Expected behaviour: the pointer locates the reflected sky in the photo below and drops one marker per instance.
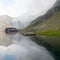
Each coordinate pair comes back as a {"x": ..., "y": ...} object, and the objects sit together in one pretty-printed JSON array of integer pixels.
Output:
[
  {"x": 24, "y": 49},
  {"x": 9, "y": 57}
]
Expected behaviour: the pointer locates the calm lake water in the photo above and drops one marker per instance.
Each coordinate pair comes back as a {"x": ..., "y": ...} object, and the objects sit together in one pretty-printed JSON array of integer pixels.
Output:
[
  {"x": 26, "y": 48},
  {"x": 51, "y": 43}
]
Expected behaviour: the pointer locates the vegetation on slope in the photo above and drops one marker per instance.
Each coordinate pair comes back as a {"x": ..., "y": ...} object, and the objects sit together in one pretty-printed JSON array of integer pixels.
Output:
[
  {"x": 49, "y": 24},
  {"x": 50, "y": 27}
]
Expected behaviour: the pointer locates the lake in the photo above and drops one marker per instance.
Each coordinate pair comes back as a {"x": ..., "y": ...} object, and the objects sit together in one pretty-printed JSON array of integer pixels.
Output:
[{"x": 27, "y": 48}]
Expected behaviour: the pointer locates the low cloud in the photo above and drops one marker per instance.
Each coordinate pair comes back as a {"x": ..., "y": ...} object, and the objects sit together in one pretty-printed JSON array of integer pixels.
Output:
[{"x": 19, "y": 7}]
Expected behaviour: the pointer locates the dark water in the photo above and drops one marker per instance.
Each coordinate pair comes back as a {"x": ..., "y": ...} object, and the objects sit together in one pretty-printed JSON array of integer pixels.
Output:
[{"x": 45, "y": 42}]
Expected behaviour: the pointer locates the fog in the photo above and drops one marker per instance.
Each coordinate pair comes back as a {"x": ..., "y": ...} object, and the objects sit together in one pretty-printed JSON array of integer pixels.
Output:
[
  {"x": 15, "y": 8},
  {"x": 25, "y": 10},
  {"x": 33, "y": 9}
]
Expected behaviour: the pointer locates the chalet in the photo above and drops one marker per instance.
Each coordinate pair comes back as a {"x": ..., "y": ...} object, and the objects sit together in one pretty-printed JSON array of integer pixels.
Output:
[{"x": 11, "y": 30}]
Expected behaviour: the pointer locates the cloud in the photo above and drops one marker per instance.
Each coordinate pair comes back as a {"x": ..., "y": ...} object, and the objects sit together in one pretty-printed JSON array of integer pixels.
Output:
[
  {"x": 40, "y": 7},
  {"x": 19, "y": 7},
  {"x": 25, "y": 11},
  {"x": 12, "y": 10}
]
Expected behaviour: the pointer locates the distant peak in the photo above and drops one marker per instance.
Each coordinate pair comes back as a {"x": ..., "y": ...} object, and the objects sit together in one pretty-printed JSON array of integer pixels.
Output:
[{"x": 5, "y": 16}]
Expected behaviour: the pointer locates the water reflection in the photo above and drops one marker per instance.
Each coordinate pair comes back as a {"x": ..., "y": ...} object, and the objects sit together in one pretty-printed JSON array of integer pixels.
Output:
[
  {"x": 23, "y": 48},
  {"x": 28, "y": 50}
]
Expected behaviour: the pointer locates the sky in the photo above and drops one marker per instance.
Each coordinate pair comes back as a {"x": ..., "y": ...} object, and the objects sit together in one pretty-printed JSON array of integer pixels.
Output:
[
  {"x": 25, "y": 11},
  {"x": 15, "y": 8}
]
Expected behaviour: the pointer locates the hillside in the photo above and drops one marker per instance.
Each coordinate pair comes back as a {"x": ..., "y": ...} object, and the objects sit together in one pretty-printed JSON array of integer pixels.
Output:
[
  {"x": 50, "y": 27},
  {"x": 49, "y": 24},
  {"x": 49, "y": 13}
]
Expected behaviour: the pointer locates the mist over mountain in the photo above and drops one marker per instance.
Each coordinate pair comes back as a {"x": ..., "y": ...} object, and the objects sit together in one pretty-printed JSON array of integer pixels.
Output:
[
  {"x": 49, "y": 13},
  {"x": 57, "y": 3}
]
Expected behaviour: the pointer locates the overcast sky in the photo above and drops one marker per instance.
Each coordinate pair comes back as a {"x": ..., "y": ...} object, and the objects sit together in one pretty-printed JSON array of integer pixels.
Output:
[
  {"x": 25, "y": 10},
  {"x": 17, "y": 8}
]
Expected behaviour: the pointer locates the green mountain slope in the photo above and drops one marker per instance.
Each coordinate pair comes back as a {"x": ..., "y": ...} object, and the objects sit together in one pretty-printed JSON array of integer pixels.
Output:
[
  {"x": 50, "y": 27},
  {"x": 49, "y": 24}
]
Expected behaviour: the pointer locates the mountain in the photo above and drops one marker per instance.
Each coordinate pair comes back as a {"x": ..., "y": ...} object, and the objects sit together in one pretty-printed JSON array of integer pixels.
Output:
[
  {"x": 51, "y": 15},
  {"x": 50, "y": 27}
]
